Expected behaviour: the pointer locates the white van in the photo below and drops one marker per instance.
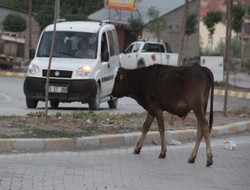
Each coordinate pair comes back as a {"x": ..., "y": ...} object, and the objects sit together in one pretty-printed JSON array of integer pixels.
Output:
[{"x": 86, "y": 77}]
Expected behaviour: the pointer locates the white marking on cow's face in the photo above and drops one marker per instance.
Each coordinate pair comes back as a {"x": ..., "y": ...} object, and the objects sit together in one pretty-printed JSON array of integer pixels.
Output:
[{"x": 121, "y": 77}]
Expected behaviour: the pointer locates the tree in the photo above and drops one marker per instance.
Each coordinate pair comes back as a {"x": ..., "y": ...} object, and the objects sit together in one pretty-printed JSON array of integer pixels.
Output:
[
  {"x": 238, "y": 13},
  {"x": 156, "y": 24},
  {"x": 14, "y": 23},
  {"x": 191, "y": 23},
  {"x": 210, "y": 20},
  {"x": 135, "y": 26},
  {"x": 70, "y": 10},
  {"x": 45, "y": 16},
  {"x": 192, "y": 20}
]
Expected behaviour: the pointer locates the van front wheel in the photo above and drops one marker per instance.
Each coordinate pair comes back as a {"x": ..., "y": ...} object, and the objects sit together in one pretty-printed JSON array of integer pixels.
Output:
[
  {"x": 113, "y": 103},
  {"x": 31, "y": 103},
  {"x": 95, "y": 103}
]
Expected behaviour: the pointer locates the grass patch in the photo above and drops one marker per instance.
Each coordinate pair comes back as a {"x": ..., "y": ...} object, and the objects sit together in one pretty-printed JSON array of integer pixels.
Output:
[{"x": 94, "y": 116}]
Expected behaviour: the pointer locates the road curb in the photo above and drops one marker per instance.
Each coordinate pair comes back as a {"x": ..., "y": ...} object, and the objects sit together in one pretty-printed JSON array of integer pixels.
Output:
[
  {"x": 12, "y": 74},
  {"x": 232, "y": 93},
  {"x": 116, "y": 140}
]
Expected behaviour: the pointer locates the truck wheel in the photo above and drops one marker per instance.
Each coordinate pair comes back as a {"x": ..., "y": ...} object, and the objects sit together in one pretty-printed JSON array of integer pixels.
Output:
[
  {"x": 140, "y": 64},
  {"x": 31, "y": 103},
  {"x": 54, "y": 104},
  {"x": 113, "y": 103},
  {"x": 95, "y": 103}
]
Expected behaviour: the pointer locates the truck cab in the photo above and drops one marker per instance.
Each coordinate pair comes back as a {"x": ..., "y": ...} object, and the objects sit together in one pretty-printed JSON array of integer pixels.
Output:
[{"x": 86, "y": 77}]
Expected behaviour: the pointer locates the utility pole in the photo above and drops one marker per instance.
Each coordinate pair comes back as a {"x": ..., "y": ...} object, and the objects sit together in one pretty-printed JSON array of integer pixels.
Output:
[
  {"x": 57, "y": 9},
  {"x": 242, "y": 38},
  {"x": 228, "y": 45},
  {"x": 184, "y": 18},
  {"x": 49, "y": 64},
  {"x": 30, "y": 31}
]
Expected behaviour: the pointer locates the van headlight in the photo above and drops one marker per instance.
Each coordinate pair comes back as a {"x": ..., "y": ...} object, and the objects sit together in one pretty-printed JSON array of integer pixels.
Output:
[
  {"x": 84, "y": 71},
  {"x": 33, "y": 69}
]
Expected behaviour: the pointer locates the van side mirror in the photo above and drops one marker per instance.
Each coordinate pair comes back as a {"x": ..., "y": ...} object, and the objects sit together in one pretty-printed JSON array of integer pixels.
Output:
[
  {"x": 32, "y": 53},
  {"x": 105, "y": 56}
]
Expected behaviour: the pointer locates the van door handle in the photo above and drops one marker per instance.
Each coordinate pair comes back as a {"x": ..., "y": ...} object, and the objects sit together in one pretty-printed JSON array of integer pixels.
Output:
[{"x": 108, "y": 65}]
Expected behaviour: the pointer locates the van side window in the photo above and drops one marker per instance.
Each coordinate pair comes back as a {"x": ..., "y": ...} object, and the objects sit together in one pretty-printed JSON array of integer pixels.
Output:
[
  {"x": 117, "y": 50},
  {"x": 111, "y": 44},
  {"x": 45, "y": 45},
  {"x": 104, "y": 44}
]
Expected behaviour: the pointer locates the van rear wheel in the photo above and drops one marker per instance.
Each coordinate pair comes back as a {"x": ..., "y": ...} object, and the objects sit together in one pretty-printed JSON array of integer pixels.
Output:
[
  {"x": 31, "y": 103},
  {"x": 95, "y": 103},
  {"x": 54, "y": 104}
]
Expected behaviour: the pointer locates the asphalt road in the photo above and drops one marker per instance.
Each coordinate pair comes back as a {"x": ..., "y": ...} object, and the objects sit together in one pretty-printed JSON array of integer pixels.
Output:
[
  {"x": 12, "y": 101},
  {"x": 118, "y": 168}
]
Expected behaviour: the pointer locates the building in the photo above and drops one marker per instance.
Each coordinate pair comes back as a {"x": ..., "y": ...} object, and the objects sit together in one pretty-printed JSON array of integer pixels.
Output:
[{"x": 23, "y": 37}]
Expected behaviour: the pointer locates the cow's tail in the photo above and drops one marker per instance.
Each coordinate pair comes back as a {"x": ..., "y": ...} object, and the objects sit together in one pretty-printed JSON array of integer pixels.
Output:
[{"x": 211, "y": 77}]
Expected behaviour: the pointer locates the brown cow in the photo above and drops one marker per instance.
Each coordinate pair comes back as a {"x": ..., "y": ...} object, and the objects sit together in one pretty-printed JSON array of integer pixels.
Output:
[{"x": 177, "y": 90}]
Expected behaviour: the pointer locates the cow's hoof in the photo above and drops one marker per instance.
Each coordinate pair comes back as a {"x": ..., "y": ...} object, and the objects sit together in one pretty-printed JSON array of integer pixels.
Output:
[
  {"x": 210, "y": 160},
  {"x": 209, "y": 163},
  {"x": 191, "y": 160},
  {"x": 162, "y": 156},
  {"x": 137, "y": 151}
]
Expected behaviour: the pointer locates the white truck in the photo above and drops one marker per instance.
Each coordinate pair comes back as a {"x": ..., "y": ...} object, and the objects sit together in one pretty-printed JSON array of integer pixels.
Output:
[{"x": 144, "y": 53}]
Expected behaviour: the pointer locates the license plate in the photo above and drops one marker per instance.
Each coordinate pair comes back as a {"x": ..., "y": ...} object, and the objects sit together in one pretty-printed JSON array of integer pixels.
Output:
[{"x": 58, "y": 89}]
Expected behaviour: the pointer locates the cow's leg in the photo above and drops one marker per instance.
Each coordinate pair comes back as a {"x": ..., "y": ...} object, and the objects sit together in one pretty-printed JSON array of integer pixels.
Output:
[
  {"x": 160, "y": 121},
  {"x": 145, "y": 129},
  {"x": 199, "y": 136},
  {"x": 202, "y": 130},
  {"x": 205, "y": 129}
]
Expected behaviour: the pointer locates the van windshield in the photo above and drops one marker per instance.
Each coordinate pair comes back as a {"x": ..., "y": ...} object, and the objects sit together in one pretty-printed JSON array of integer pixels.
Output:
[{"x": 69, "y": 45}]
